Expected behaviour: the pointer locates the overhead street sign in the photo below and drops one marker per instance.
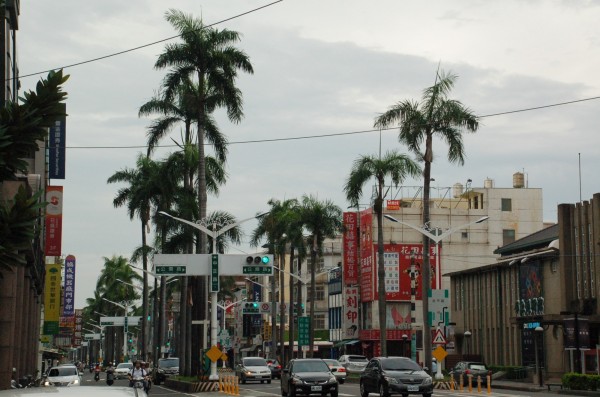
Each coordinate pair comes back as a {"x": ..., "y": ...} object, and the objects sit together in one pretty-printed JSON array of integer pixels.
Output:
[
  {"x": 201, "y": 264},
  {"x": 120, "y": 321},
  {"x": 214, "y": 275},
  {"x": 257, "y": 269}
]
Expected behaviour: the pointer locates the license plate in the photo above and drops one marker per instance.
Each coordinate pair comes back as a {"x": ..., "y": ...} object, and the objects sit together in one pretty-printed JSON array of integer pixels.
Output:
[
  {"x": 316, "y": 388},
  {"x": 413, "y": 388}
]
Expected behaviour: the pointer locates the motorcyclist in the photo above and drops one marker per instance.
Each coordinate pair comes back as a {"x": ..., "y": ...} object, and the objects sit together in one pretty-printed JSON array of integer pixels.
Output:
[
  {"x": 110, "y": 370},
  {"x": 97, "y": 372},
  {"x": 137, "y": 373},
  {"x": 148, "y": 375}
]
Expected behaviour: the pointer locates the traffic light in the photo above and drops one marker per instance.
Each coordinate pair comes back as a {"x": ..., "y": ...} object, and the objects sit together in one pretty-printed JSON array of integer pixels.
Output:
[
  {"x": 250, "y": 308},
  {"x": 258, "y": 260},
  {"x": 149, "y": 317}
]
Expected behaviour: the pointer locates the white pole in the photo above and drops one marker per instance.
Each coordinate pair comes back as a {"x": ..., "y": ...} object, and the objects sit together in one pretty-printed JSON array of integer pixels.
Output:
[
  {"x": 213, "y": 313},
  {"x": 125, "y": 336}
]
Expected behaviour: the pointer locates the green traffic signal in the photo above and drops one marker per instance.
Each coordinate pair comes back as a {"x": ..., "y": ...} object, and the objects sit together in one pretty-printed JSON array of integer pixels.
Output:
[{"x": 255, "y": 305}]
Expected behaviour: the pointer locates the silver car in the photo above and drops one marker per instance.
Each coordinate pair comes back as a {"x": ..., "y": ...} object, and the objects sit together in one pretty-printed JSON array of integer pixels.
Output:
[
  {"x": 67, "y": 375},
  {"x": 353, "y": 363},
  {"x": 337, "y": 369},
  {"x": 253, "y": 368}
]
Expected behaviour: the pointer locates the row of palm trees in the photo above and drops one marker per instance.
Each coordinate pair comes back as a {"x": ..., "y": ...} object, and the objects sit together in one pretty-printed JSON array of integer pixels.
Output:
[{"x": 201, "y": 76}]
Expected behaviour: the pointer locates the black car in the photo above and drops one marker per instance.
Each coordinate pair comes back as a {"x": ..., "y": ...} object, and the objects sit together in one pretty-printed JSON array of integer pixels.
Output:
[
  {"x": 308, "y": 376},
  {"x": 166, "y": 367},
  {"x": 470, "y": 369},
  {"x": 394, "y": 375},
  {"x": 275, "y": 368}
]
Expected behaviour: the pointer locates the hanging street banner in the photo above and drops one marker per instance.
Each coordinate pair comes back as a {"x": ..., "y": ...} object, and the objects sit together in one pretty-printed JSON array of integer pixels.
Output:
[
  {"x": 350, "y": 325},
  {"x": 52, "y": 299},
  {"x": 350, "y": 247},
  {"x": 69, "y": 289},
  {"x": 54, "y": 197},
  {"x": 77, "y": 335},
  {"x": 57, "y": 146}
]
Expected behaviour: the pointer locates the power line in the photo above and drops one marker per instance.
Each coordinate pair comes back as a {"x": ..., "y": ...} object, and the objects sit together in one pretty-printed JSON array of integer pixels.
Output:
[
  {"x": 150, "y": 44},
  {"x": 541, "y": 107}
]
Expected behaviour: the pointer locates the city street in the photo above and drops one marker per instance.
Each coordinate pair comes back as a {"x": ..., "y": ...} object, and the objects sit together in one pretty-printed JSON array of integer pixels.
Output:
[{"x": 274, "y": 389}]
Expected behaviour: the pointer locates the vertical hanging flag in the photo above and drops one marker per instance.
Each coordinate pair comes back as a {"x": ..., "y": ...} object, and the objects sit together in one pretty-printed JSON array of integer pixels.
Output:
[
  {"x": 54, "y": 197},
  {"x": 69, "y": 291},
  {"x": 56, "y": 147},
  {"x": 52, "y": 299}
]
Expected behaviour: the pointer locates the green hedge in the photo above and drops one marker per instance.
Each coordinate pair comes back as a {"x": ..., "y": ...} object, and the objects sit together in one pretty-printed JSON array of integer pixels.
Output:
[{"x": 576, "y": 381}]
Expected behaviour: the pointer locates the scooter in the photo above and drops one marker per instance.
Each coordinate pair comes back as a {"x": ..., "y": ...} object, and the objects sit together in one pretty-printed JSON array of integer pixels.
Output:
[
  {"x": 110, "y": 378},
  {"x": 97, "y": 376}
]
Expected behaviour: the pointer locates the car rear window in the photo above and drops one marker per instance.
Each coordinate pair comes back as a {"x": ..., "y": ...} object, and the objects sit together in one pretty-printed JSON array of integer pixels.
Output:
[
  {"x": 358, "y": 359},
  {"x": 64, "y": 371},
  {"x": 478, "y": 367}
]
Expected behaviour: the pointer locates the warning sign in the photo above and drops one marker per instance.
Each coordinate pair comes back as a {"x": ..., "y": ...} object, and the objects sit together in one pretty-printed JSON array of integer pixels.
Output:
[{"x": 439, "y": 339}]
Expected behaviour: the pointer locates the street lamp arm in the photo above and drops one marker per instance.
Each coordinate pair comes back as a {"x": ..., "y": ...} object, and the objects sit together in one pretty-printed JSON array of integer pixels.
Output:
[
  {"x": 192, "y": 224},
  {"x": 117, "y": 304},
  {"x": 232, "y": 225},
  {"x": 448, "y": 232},
  {"x": 418, "y": 229}
]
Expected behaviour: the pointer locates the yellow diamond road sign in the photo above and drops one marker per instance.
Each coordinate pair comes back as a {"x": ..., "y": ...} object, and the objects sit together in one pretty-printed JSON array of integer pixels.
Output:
[
  {"x": 440, "y": 354},
  {"x": 214, "y": 353}
]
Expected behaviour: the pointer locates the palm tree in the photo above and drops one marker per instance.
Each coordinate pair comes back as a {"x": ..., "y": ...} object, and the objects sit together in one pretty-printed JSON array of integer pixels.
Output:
[
  {"x": 322, "y": 219},
  {"x": 397, "y": 167},
  {"x": 143, "y": 187},
  {"x": 207, "y": 57},
  {"x": 435, "y": 115}
]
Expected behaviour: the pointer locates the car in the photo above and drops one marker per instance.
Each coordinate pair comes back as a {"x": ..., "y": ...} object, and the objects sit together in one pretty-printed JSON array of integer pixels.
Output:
[
  {"x": 166, "y": 367},
  {"x": 395, "y": 375},
  {"x": 308, "y": 376},
  {"x": 275, "y": 368},
  {"x": 123, "y": 370},
  {"x": 353, "y": 363},
  {"x": 88, "y": 391},
  {"x": 67, "y": 375},
  {"x": 471, "y": 369},
  {"x": 337, "y": 369},
  {"x": 253, "y": 368}
]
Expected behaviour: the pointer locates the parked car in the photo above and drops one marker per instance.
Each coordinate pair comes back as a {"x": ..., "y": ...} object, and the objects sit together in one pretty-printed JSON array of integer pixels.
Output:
[
  {"x": 353, "y": 363},
  {"x": 471, "y": 368},
  {"x": 275, "y": 368},
  {"x": 166, "y": 367},
  {"x": 308, "y": 376},
  {"x": 394, "y": 375},
  {"x": 337, "y": 369},
  {"x": 122, "y": 370},
  {"x": 67, "y": 375},
  {"x": 253, "y": 368}
]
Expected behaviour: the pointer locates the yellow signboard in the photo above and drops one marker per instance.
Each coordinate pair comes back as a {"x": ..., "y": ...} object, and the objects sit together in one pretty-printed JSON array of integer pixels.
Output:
[
  {"x": 214, "y": 353},
  {"x": 52, "y": 299},
  {"x": 440, "y": 353}
]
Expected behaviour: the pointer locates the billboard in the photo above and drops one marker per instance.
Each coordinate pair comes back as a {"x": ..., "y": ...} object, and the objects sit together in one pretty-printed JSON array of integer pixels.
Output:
[
  {"x": 350, "y": 247},
  {"x": 69, "y": 289},
  {"x": 57, "y": 147},
  {"x": 367, "y": 277},
  {"x": 52, "y": 299},
  {"x": 350, "y": 325},
  {"x": 53, "y": 241}
]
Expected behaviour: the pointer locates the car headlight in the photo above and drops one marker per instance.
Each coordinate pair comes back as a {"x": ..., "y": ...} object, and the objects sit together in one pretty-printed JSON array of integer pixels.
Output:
[
  {"x": 390, "y": 379},
  {"x": 427, "y": 381},
  {"x": 297, "y": 381},
  {"x": 76, "y": 382},
  {"x": 47, "y": 383},
  {"x": 332, "y": 379}
]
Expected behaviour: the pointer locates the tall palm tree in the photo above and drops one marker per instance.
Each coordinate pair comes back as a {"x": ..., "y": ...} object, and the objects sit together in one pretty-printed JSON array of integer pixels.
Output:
[
  {"x": 436, "y": 115},
  {"x": 143, "y": 186},
  {"x": 322, "y": 219},
  {"x": 208, "y": 58},
  {"x": 397, "y": 167}
]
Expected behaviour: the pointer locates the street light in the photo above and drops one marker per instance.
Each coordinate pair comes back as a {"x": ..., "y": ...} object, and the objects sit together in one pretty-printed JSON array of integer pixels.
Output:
[
  {"x": 101, "y": 328},
  {"x": 224, "y": 308},
  {"x": 426, "y": 281},
  {"x": 214, "y": 234},
  {"x": 467, "y": 340},
  {"x": 539, "y": 332},
  {"x": 124, "y": 327}
]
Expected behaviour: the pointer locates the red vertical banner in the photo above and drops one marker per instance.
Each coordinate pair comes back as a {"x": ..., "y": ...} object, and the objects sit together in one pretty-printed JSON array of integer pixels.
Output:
[
  {"x": 53, "y": 243},
  {"x": 367, "y": 272},
  {"x": 77, "y": 334},
  {"x": 350, "y": 242}
]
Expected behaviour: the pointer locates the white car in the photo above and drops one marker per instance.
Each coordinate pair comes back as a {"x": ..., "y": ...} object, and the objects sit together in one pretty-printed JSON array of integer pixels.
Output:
[
  {"x": 353, "y": 363},
  {"x": 123, "y": 370},
  {"x": 67, "y": 375},
  {"x": 253, "y": 368},
  {"x": 337, "y": 369}
]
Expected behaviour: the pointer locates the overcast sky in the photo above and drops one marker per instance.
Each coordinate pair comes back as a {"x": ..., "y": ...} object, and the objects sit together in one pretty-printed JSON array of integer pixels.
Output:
[{"x": 321, "y": 67}]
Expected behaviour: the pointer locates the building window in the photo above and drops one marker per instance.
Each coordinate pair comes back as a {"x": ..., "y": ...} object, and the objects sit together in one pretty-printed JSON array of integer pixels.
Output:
[
  {"x": 319, "y": 321},
  {"x": 506, "y": 204},
  {"x": 319, "y": 293},
  {"x": 508, "y": 236}
]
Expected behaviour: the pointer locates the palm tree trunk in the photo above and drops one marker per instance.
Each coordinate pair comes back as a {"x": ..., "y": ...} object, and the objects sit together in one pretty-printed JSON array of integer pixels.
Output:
[
  {"x": 145, "y": 293},
  {"x": 426, "y": 267},
  {"x": 313, "y": 293},
  {"x": 381, "y": 276},
  {"x": 281, "y": 308},
  {"x": 291, "y": 308}
]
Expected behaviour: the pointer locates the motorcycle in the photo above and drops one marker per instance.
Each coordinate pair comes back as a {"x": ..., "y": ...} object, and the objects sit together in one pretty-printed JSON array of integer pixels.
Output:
[
  {"x": 97, "y": 376},
  {"x": 110, "y": 378}
]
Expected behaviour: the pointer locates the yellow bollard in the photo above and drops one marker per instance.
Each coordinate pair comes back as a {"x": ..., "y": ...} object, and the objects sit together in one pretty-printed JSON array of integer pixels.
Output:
[
  {"x": 478, "y": 383},
  {"x": 237, "y": 386},
  {"x": 225, "y": 385},
  {"x": 489, "y": 384},
  {"x": 451, "y": 381},
  {"x": 460, "y": 385},
  {"x": 470, "y": 377}
]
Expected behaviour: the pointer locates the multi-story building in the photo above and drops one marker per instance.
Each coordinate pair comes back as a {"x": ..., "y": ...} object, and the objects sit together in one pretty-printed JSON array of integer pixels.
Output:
[
  {"x": 511, "y": 213},
  {"x": 546, "y": 281}
]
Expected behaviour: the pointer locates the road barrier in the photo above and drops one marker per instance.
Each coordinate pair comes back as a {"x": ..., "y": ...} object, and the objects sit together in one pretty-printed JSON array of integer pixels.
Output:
[{"x": 229, "y": 384}]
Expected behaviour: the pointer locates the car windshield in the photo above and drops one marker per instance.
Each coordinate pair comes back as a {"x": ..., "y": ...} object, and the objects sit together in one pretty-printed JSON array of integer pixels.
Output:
[
  {"x": 358, "y": 359},
  {"x": 125, "y": 365},
  {"x": 63, "y": 371},
  {"x": 168, "y": 362},
  {"x": 399, "y": 364},
  {"x": 255, "y": 362},
  {"x": 478, "y": 367},
  {"x": 311, "y": 366}
]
